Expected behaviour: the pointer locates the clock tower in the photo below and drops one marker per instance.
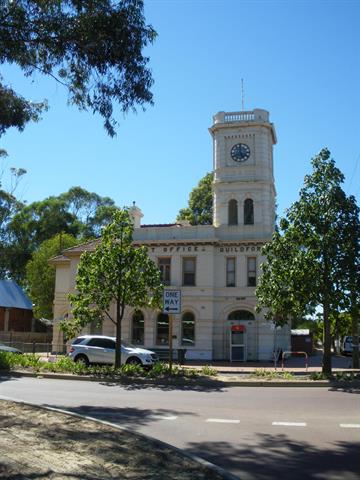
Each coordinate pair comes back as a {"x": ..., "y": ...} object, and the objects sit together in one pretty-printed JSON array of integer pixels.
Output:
[{"x": 244, "y": 188}]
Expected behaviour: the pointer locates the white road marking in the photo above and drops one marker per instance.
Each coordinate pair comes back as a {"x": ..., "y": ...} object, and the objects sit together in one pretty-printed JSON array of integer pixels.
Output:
[
  {"x": 222, "y": 420},
  {"x": 163, "y": 417},
  {"x": 290, "y": 424},
  {"x": 350, "y": 425}
]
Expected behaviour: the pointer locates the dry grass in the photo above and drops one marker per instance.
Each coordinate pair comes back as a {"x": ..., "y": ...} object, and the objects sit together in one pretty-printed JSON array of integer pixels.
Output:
[{"x": 41, "y": 444}]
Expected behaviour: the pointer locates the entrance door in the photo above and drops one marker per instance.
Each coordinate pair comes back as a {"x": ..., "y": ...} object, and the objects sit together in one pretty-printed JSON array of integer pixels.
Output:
[{"x": 237, "y": 343}]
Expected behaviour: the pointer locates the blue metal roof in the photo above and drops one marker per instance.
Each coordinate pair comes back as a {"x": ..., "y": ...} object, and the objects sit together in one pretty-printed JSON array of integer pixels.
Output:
[{"x": 12, "y": 296}]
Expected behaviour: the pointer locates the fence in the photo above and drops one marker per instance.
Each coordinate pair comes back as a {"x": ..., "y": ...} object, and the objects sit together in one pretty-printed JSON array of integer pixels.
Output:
[
  {"x": 46, "y": 349},
  {"x": 25, "y": 337}
]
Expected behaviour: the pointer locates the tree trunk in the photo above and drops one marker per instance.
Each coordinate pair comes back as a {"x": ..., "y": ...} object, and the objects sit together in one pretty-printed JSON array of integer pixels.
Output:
[
  {"x": 326, "y": 365},
  {"x": 118, "y": 336}
]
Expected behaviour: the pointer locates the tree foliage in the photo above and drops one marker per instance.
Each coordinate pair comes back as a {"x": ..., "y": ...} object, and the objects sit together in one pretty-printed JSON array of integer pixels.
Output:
[
  {"x": 15, "y": 111},
  {"x": 40, "y": 275},
  {"x": 116, "y": 274},
  {"x": 93, "y": 48},
  {"x": 306, "y": 263},
  {"x": 9, "y": 206},
  {"x": 351, "y": 262},
  {"x": 77, "y": 212},
  {"x": 200, "y": 209}
]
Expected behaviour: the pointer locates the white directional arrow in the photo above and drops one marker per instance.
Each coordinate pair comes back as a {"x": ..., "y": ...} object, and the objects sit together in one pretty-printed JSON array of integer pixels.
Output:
[{"x": 172, "y": 301}]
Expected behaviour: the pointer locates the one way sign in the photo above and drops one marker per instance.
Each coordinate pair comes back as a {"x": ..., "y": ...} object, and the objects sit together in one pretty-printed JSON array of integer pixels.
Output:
[{"x": 172, "y": 301}]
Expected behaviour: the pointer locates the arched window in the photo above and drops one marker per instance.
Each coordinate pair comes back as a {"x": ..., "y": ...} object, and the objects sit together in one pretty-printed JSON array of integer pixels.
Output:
[
  {"x": 137, "y": 332},
  {"x": 188, "y": 329},
  {"x": 241, "y": 315},
  {"x": 248, "y": 212},
  {"x": 162, "y": 329},
  {"x": 233, "y": 212}
]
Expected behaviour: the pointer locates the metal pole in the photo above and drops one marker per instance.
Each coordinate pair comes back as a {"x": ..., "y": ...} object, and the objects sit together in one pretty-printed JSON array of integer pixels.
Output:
[{"x": 170, "y": 343}]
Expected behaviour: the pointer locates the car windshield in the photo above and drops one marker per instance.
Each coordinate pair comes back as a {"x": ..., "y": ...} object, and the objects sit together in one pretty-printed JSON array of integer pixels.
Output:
[{"x": 127, "y": 345}]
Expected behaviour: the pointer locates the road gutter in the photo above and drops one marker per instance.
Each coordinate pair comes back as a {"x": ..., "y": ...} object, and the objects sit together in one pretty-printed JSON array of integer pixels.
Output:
[{"x": 220, "y": 381}]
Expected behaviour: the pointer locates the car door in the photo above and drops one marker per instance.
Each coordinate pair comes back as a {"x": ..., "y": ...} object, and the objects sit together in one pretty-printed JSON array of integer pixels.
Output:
[
  {"x": 101, "y": 350},
  {"x": 109, "y": 351}
]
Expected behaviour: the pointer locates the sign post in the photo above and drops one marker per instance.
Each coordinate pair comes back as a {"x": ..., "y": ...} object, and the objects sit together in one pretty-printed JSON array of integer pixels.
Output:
[{"x": 171, "y": 306}]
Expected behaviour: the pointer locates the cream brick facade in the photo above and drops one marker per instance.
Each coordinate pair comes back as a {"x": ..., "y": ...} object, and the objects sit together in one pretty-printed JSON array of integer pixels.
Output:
[{"x": 243, "y": 167}]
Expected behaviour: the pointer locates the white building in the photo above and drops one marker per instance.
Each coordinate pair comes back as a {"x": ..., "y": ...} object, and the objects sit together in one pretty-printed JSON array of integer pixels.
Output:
[{"x": 215, "y": 266}]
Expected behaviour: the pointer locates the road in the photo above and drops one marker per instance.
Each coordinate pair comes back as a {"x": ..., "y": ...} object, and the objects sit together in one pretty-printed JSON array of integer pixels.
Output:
[{"x": 255, "y": 433}]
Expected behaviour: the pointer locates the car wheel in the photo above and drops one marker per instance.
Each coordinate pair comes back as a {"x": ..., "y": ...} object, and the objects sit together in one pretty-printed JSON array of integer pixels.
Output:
[
  {"x": 83, "y": 360},
  {"x": 133, "y": 361}
]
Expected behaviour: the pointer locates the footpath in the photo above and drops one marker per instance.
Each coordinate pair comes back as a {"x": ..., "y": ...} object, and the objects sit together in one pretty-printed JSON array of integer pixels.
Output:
[{"x": 298, "y": 365}]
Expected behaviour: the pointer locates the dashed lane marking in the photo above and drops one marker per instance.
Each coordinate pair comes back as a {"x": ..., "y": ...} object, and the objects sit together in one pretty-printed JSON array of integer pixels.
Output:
[
  {"x": 350, "y": 425},
  {"x": 290, "y": 424},
  {"x": 221, "y": 420}
]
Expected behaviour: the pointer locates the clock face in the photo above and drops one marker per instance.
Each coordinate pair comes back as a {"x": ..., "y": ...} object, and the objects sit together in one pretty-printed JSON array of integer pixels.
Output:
[{"x": 240, "y": 152}]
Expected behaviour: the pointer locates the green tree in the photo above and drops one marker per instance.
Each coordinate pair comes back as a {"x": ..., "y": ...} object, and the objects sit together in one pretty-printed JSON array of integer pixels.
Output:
[
  {"x": 77, "y": 212},
  {"x": 40, "y": 275},
  {"x": 32, "y": 225},
  {"x": 200, "y": 209},
  {"x": 305, "y": 267},
  {"x": 116, "y": 272},
  {"x": 351, "y": 265},
  {"x": 92, "y": 48},
  {"x": 9, "y": 206},
  {"x": 90, "y": 209},
  {"x": 15, "y": 111}
]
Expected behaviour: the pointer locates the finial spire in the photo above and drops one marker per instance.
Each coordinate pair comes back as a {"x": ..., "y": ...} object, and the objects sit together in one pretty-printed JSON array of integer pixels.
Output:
[{"x": 242, "y": 95}]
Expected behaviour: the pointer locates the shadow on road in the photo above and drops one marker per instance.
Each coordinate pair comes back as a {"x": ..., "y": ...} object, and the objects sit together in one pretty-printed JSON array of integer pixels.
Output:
[
  {"x": 197, "y": 385},
  {"x": 5, "y": 377},
  {"x": 280, "y": 457},
  {"x": 346, "y": 389},
  {"x": 126, "y": 416}
]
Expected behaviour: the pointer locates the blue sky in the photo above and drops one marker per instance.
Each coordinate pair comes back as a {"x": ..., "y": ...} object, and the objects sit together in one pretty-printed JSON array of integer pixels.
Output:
[{"x": 299, "y": 59}]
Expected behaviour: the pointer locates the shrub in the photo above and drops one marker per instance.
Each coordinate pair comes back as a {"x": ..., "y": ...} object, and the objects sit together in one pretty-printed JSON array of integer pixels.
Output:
[
  {"x": 260, "y": 372},
  {"x": 272, "y": 374},
  {"x": 209, "y": 371},
  {"x": 159, "y": 369},
  {"x": 8, "y": 360},
  {"x": 190, "y": 372},
  {"x": 131, "y": 370}
]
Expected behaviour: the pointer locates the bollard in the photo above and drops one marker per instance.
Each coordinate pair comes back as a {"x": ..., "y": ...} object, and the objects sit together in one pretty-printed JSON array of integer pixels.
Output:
[{"x": 290, "y": 353}]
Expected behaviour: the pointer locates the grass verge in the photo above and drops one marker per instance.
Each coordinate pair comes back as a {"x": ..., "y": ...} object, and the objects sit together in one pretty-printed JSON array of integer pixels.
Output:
[{"x": 10, "y": 361}]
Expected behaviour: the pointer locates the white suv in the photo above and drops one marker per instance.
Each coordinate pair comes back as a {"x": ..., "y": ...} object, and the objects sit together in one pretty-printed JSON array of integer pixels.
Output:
[
  {"x": 347, "y": 346},
  {"x": 101, "y": 349}
]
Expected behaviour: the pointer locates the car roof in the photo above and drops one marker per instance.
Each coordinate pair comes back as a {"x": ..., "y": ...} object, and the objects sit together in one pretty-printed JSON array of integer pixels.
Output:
[{"x": 96, "y": 336}]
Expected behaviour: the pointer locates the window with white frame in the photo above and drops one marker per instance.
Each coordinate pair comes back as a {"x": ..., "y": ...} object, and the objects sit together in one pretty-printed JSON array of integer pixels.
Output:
[
  {"x": 189, "y": 271},
  {"x": 251, "y": 271},
  {"x": 165, "y": 270},
  {"x": 162, "y": 329},
  {"x": 230, "y": 271},
  {"x": 188, "y": 329}
]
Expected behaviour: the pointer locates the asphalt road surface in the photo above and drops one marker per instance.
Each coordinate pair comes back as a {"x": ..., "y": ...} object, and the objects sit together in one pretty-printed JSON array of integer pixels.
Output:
[{"x": 255, "y": 433}]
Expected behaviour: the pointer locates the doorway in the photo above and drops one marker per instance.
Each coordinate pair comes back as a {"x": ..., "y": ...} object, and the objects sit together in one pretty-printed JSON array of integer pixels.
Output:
[{"x": 238, "y": 343}]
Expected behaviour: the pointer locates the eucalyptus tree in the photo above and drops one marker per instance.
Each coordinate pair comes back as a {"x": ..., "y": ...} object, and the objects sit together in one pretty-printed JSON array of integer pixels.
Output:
[
  {"x": 77, "y": 212},
  {"x": 115, "y": 275},
  {"x": 305, "y": 266},
  {"x": 94, "y": 49}
]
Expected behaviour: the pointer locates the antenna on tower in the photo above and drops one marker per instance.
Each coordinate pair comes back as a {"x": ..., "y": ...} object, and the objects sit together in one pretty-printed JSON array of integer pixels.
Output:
[{"x": 242, "y": 95}]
